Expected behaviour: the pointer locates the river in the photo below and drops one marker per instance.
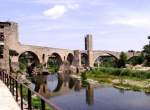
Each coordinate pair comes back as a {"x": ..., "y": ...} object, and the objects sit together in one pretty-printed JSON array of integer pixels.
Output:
[{"x": 68, "y": 96}]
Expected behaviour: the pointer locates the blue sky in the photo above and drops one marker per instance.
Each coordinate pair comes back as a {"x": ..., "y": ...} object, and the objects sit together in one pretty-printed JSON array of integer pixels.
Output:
[{"x": 118, "y": 25}]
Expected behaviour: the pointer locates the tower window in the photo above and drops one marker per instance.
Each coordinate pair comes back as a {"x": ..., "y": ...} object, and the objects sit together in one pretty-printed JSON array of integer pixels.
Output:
[
  {"x": 1, "y": 51},
  {"x": 1, "y": 26},
  {"x": 1, "y": 36}
]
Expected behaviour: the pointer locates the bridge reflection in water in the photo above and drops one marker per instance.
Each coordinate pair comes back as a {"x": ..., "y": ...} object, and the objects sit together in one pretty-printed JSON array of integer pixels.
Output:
[
  {"x": 67, "y": 93},
  {"x": 56, "y": 85}
]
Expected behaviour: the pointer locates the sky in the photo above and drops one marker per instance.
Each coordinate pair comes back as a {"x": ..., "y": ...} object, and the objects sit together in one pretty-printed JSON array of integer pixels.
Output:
[{"x": 116, "y": 25}]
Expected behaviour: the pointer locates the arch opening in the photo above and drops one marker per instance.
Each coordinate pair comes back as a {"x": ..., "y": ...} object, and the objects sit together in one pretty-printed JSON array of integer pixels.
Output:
[
  {"x": 28, "y": 57},
  {"x": 105, "y": 61},
  {"x": 84, "y": 59},
  {"x": 70, "y": 58},
  {"x": 135, "y": 60},
  {"x": 54, "y": 62}
]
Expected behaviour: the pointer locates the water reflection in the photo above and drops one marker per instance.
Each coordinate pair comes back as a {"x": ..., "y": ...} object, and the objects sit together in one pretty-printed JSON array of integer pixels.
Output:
[
  {"x": 89, "y": 94},
  {"x": 67, "y": 93},
  {"x": 59, "y": 84}
]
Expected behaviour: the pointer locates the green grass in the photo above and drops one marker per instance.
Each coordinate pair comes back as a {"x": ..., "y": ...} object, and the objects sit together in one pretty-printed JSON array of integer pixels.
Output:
[
  {"x": 120, "y": 72},
  {"x": 137, "y": 80},
  {"x": 36, "y": 103},
  {"x": 53, "y": 69}
]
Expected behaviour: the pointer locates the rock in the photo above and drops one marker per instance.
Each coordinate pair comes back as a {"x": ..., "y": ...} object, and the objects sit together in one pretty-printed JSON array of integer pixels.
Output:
[
  {"x": 92, "y": 82},
  {"x": 67, "y": 68},
  {"x": 116, "y": 81},
  {"x": 147, "y": 86}
]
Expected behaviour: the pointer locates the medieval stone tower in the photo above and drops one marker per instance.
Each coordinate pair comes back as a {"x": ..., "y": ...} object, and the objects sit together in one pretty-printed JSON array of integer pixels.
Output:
[
  {"x": 88, "y": 42},
  {"x": 89, "y": 49},
  {"x": 4, "y": 48},
  {"x": 8, "y": 40}
]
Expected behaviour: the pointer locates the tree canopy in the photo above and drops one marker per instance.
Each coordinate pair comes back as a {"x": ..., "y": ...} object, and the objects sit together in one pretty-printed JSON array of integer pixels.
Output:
[{"x": 122, "y": 60}]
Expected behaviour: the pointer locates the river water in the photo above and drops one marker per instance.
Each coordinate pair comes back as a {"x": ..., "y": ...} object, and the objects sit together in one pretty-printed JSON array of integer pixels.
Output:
[{"x": 68, "y": 96}]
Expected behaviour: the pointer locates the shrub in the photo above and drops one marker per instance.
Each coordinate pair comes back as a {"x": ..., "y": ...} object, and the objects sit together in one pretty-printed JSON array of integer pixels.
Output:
[{"x": 121, "y": 72}]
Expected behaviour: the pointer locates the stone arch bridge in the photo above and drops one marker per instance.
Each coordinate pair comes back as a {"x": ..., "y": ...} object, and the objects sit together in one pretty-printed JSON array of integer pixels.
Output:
[{"x": 9, "y": 38}]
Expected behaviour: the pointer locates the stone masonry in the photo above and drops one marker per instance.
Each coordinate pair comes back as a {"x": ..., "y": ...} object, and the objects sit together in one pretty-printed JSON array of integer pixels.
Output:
[{"x": 9, "y": 30}]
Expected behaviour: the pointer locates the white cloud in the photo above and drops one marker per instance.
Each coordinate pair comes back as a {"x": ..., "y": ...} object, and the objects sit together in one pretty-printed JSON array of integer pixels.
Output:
[
  {"x": 133, "y": 20},
  {"x": 73, "y": 6},
  {"x": 56, "y": 11},
  {"x": 59, "y": 10}
]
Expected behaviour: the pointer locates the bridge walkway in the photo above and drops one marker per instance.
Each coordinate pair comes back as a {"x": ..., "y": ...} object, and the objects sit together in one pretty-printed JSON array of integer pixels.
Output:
[{"x": 7, "y": 101}]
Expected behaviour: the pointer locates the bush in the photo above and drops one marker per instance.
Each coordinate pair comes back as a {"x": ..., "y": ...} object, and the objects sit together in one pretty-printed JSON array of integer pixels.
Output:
[
  {"x": 22, "y": 66},
  {"x": 121, "y": 72}
]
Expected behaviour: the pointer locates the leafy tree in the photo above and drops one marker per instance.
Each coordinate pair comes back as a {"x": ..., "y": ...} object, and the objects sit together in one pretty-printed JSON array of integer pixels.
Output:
[
  {"x": 108, "y": 62},
  {"x": 136, "y": 59},
  {"x": 122, "y": 60},
  {"x": 147, "y": 54},
  {"x": 146, "y": 50},
  {"x": 53, "y": 65}
]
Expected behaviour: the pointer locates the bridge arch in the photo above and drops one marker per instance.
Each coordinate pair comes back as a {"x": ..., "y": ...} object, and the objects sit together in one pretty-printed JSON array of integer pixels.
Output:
[
  {"x": 28, "y": 57},
  {"x": 114, "y": 56},
  {"x": 54, "y": 61},
  {"x": 70, "y": 58},
  {"x": 134, "y": 60},
  {"x": 106, "y": 60},
  {"x": 84, "y": 59}
]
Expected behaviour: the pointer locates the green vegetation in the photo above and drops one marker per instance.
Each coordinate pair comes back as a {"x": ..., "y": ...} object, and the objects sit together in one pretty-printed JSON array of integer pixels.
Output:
[
  {"x": 106, "y": 61},
  {"x": 146, "y": 51},
  {"x": 53, "y": 68},
  {"x": 147, "y": 55},
  {"x": 36, "y": 102},
  {"x": 53, "y": 65},
  {"x": 122, "y": 78},
  {"x": 136, "y": 60},
  {"x": 122, "y": 60},
  {"x": 22, "y": 66},
  {"x": 120, "y": 72},
  {"x": 84, "y": 79}
]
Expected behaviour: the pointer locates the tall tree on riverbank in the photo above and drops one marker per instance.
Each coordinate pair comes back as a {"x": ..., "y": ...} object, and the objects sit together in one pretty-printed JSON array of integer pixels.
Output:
[
  {"x": 147, "y": 53},
  {"x": 122, "y": 60}
]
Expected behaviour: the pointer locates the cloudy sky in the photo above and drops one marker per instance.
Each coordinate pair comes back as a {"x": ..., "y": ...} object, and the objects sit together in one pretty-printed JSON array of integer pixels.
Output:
[{"x": 118, "y": 25}]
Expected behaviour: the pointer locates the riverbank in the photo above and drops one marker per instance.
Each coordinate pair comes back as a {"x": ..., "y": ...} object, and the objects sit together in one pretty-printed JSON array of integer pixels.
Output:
[{"x": 122, "y": 78}]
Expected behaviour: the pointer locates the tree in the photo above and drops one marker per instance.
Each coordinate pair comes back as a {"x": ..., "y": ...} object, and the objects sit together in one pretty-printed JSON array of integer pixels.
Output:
[
  {"x": 122, "y": 60},
  {"x": 146, "y": 51},
  {"x": 135, "y": 60},
  {"x": 147, "y": 54}
]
